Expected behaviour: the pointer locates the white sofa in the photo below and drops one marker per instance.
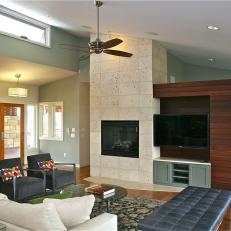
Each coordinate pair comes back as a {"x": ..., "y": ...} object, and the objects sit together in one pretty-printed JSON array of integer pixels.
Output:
[
  {"x": 55, "y": 215},
  {"x": 103, "y": 222}
]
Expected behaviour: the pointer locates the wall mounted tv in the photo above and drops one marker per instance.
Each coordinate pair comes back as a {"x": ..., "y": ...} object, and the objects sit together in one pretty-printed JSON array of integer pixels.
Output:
[{"x": 181, "y": 130}]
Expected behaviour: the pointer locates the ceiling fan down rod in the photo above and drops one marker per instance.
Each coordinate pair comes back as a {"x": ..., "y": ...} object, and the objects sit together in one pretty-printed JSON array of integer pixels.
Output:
[{"x": 98, "y": 5}]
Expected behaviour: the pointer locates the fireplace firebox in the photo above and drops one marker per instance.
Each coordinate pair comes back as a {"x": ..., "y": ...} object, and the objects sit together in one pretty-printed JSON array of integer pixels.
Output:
[{"x": 120, "y": 138}]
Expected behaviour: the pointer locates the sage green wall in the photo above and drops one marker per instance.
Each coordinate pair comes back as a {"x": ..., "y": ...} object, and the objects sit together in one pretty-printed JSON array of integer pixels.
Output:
[
  {"x": 54, "y": 56},
  {"x": 184, "y": 72},
  {"x": 65, "y": 90},
  {"x": 74, "y": 92},
  {"x": 198, "y": 73},
  {"x": 175, "y": 67}
]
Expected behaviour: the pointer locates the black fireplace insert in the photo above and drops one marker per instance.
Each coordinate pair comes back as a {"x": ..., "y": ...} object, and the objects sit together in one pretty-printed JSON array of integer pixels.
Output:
[{"x": 120, "y": 138}]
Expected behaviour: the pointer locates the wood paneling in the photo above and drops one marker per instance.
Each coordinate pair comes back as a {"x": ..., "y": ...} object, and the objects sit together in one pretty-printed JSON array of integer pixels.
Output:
[
  {"x": 219, "y": 93},
  {"x": 186, "y": 153},
  {"x": 185, "y": 105},
  {"x": 216, "y": 87},
  {"x": 220, "y": 136}
]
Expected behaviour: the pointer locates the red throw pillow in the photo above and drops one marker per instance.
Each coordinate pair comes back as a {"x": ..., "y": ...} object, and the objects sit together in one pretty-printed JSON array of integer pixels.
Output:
[
  {"x": 47, "y": 164},
  {"x": 8, "y": 173}
]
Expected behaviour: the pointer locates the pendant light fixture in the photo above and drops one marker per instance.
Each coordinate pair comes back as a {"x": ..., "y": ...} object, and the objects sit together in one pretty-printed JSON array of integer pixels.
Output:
[{"x": 17, "y": 91}]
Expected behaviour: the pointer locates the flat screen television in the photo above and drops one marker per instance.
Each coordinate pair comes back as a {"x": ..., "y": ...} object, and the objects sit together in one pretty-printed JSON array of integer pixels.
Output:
[{"x": 181, "y": 130}]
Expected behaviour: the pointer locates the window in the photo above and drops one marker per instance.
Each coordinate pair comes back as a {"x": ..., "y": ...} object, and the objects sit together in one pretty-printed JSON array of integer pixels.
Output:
[
  {"x": 22, "y": 27},
  {"x": 31, "y": 126},
  {"x": 45, "y": 124},
  {"x": 58, "y": 126},
  {"x": 51, "y": 121}
]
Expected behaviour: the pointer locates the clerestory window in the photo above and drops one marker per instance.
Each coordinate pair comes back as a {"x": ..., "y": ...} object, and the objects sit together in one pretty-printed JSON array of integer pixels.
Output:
[{"x": 22, "y": 27}]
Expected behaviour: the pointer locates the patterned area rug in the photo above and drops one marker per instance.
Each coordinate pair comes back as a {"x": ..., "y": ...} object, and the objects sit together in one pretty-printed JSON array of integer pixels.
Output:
[{"x": 129, "y": 211}]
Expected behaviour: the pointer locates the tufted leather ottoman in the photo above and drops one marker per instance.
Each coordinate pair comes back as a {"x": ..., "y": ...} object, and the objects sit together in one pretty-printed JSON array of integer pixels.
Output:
[{"x": 194, "y": 209}]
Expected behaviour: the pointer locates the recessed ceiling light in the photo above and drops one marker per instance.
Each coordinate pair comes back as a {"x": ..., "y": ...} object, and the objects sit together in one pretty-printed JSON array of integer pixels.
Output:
[
  {"x": 212, "y": 60},
  {"x": 152, "y": 33},
  {"x": 215, "y": 28}
]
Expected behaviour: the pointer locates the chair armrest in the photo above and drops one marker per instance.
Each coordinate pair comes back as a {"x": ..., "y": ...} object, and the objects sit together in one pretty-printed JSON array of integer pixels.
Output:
[
  {"x": 59, "y": 163},
  {"x": 74, "y": 169},
  {"x": 105, "y": 221}
]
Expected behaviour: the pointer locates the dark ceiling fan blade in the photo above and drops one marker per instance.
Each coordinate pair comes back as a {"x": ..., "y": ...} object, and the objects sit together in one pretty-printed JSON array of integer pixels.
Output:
[
  {"x": 117, "y": 53},
  {"x": 85, "y": 56},
  {"x": 111, "y": 43}
]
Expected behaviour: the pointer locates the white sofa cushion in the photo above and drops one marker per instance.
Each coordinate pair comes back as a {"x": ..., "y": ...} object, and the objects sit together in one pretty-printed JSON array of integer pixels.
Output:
[
  {"x": 73, "y": 211},
  {"x": 32, "y": 217},
  {"x": 103, "y": 222},
  {"x": 3, "y": 197}
]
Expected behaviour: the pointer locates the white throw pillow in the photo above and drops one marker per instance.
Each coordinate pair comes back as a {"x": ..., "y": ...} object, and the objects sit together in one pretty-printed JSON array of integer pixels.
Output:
[
  {"x": 32, "y": 217},
  {"x": 73, "y": 211},
  {"x": 3, "y": 197}
]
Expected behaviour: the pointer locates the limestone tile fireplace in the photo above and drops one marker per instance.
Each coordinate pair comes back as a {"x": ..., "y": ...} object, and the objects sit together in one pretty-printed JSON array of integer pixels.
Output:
[{"x": 121, "y": 89}]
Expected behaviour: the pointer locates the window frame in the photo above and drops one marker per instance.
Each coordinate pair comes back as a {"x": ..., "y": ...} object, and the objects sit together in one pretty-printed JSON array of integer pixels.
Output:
[
  {"x": 35, "y": 126},
  {"x": 27, "y": 20},
  {"x": 51, "y": 121}
]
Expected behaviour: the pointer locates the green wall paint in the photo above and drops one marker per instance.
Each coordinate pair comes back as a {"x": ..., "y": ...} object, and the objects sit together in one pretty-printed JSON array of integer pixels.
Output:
[
  {"x": 175, "y": 67},
  {"x": 198, "y": 73},
  {"x": 54, "y": 56},
  {"x": 66, "y": 90},
  {"x": 184, "y": 72},
  {"x": 73, "y": 92}
]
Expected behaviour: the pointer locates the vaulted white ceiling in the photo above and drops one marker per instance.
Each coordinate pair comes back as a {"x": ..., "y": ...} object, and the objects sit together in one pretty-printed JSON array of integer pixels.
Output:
[{"x": 180, "y": 25}]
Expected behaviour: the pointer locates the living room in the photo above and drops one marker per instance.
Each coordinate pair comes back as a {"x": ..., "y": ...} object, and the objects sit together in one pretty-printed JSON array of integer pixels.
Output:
[{"x": 121, "y": 97}]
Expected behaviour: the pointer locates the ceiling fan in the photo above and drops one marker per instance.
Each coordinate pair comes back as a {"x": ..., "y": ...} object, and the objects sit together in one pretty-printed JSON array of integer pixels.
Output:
[{"x": 98, "y": 46}]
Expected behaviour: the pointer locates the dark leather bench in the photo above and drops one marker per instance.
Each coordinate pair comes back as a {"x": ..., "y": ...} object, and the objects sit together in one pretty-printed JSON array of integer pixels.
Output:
[{"x": 194, "y": 209}]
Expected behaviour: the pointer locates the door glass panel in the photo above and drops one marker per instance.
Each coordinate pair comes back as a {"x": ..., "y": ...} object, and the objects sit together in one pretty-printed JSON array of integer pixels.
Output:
[{"x": 12, "y": 117}]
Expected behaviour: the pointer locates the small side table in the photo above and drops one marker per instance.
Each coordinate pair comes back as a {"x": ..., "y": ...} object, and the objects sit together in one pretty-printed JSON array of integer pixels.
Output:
[{"x": 2, "y": 227}]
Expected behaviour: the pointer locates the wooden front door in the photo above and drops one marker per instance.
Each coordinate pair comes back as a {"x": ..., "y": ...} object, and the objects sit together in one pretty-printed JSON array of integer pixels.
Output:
[{"x": 11, "y": 131}]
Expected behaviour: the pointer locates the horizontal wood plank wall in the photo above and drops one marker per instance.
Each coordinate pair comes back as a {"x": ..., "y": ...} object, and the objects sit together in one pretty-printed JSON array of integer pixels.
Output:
[
  {"x": 185, "y": 105},
  {"x": 215, "y": 87},
  {"x": 219, "y": 92}
]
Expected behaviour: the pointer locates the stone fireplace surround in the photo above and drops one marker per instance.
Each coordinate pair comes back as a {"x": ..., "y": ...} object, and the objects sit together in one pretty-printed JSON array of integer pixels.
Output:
[{"x": 121, "y": 89}]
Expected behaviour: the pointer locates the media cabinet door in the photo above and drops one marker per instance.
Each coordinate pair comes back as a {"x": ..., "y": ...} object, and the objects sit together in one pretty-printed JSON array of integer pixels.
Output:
[
  {"x": 200, "y": 175},
  {"x": 162, "y": 172}
]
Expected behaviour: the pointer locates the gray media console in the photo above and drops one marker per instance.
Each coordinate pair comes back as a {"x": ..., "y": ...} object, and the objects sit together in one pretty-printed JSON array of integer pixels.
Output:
[{"x": 181, "y": 173}]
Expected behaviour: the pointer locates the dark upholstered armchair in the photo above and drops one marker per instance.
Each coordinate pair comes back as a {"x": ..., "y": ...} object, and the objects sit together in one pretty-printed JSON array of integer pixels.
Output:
[
  {"x": 19, "y": 189},
  {"x": 55, "y": 179}
]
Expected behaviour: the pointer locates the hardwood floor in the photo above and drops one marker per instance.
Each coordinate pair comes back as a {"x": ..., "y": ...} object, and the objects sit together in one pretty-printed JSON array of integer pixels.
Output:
[{"x": 157, "y": 195}]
